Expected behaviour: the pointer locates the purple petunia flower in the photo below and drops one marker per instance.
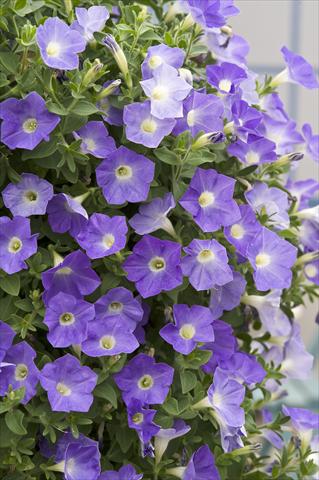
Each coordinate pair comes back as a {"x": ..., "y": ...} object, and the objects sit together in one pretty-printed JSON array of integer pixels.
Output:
[
  {"x": 159, "y": 55},
  {"x": 282, "y": 132},
  {"x": 89, "y": 21},
  {"x": 227, "y": 297},
  {"x": 243, "y": 368},
  {"x": 139, "y": 331},
  {"x": 78, "y": 455},
  {"x": 111, "y": 114},
  {"x": 210, "y": 13},
  {"x": 125, "y": 176},
  {"x": 303, "y": 422},
  {"x": 144, "y": 128},
  {"x": 257, "y": 150},
  {"x": 59, "y": 45},
  {"x": 312, "y": 142},
  {"x": 95, "y": 139},
  {"x": 271, "y": 258},
  {"x": 166, "y": 91},
  {"x": 271, "y": 200},
  {"x": 201, "y": 466},
  {"x": 241, "y": 233},
  {"x": 206, "y": 264},
  {"x": 127, "y": 472},
  {"x": 222, "y": 347},
  {"x": 269, "y": 434},
  {"x": 107, "y": 337},
  {"x": 153, "y": 216},
  {"x": 202, "y": 113},
  {"x": 69, "y": 385},
  {"x": 143, "y": 379},
  {"x": 226, "y": 77},
  {"x": 16, "y": 243},
  {"x": 30, "y": 196},
  {"x": 233, "y": 49},
  {"x": 21, "y": 371},
  {"x": 298, "y": 71},
  {"x": 191, "y": 325},
  {"x": 303, "y": 190},
  {"x": 154, "y": 266},
  {"x": 73, "y": 276},
  {"x": 120, "y": 305},
  {"x": 231, "y": 437},
  {"x": 67, "y": 318},
  {"x": 7, "y": 335},
  {"x": 209, "y": 199},
  {"x": 66, "y": 214},
  {"x": 103, "y": 235},
  {"x": 140, "y": 419},
  {"x": 165, "y": 435},
  {"x": 246, "y": 119},
  {"x": 26, "y": 122}
]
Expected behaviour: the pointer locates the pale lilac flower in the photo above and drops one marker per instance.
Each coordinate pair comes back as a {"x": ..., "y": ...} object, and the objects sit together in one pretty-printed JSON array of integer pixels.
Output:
[
  {"x": 26, "y": 122},
  {"x": 241, "y": 233},
  {"x": 201, "y": 466},
  {"x": 255, "y": 151},
  {"x": 165, "y": 435},
  {"x": 17, "y": 244},
  {"x": 233, "y": 49},
  {"x": 191, "y": 325},
  {"x": 206, "y": 264},
  {"x": 69, "y": 384},
  {"x": 244, "y": 368},
  {"x": 304, "y": 191},
  {"x": 166, "y": 91},
  {"x": 154, "y": 266},
  {"x": 223, "y": 346},
  {"x": 298, "y": 71},
  {"x": 59, "y": 45},
  {"x": 153, "y": 216},
  {"x": 231, "y": 437},
  {"x": 91, "y": 20},
  {"x": 140, "y": 418},
  {"x": 66, "y": 214},
  {"x": 226, "y": 77},
  {"x": 119, "y": 304},
  {"x": 312, "y": 142},
  {"x": 125, "y": 176},
  {"x": 161, "y": 54},
  {"x": 210, "y": 13},
  {"x": 95, "y": 139},
  {"x": 282, "y": 132},
  {"x": 145, "y": 380},
  {"x": 30, "y": 196},
  {"x": 303, "y": 423},
  {"x": 227, "y": 297},
  {"x": 209, "y": 199}
]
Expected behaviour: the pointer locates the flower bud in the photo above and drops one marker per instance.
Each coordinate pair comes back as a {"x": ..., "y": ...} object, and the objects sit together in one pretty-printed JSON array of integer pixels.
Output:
[
  {"x": 207, "y": 139},
  {"x": 186, "y": 75},
  {"x": 27, "y": 35},
  {"x": 92, "y": 73},
  {"x": 109, "y": 90},
  {"x": 118, "y": 54},
  {"x": 287, "y": 159}
]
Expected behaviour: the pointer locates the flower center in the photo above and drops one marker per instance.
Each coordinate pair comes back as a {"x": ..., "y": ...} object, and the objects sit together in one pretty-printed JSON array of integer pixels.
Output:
[
  {"x": 205, "y": 255},
  {"x": 107, "y": 342},
  {"x": 191, "y": 118},
  {"x": 149, "y": 126},
  {"x": 63, "y": 389},
  {"x": 145, "y": 382},
  {"x": 262, "y": 260},
  {"x": 155, "y": 61},
  {"x": 159, "y": 93},
  {"x": 237, "y": 231},
  {"x": 311, "y": 270},
  {"x": 217, "y": 400},
  {"x": 90, "y": 143},
  {"x": 138, "y": 418},
  {"x": 64, "y": 271},
  {"x": 53, "y": 49},
  {"x": 115, "y": 307},
  {"x": 123, "y": 172},
  {"x": 31, "y": 196},
  {"x": 206, "y": 199},
  {"x": 30, "y": 125},
  {"x": 108, "y": 240},
  {"x": 21, "y": 372},
  {"x": 157, "y": 264},
  {"x": 252, "y": 157},
  {"x": 15, "y": 245},
  {"x": 66, "y": 319},
  {"x": 225, "y": 85},
  {"x": 187, "y": 331}
]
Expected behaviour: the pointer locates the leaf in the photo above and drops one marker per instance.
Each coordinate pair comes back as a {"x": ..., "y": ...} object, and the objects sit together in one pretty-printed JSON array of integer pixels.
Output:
[
  {"x": 107, "y": 392},
  {"x": 197, "y": 359},
  {"x": 45, "y": 149},
  {"x": 171, "y": 407},
  {"x": 14, "y": 421},
  {"x": 55, "y": 108},
  {"x": 188, "y": 381},
  {"x": 83, "y": 108},
  {"x": 10, "y": 61},
  {"x": 10, "y": 284},
  {"x": 167, "y": 156},
  {"x": 200, "y": 157}
]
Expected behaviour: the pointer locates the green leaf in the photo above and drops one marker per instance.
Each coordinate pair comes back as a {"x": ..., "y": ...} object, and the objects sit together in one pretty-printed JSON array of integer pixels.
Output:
[
  {"x": 55, "y": 108},
  {"x": 10, "y": 61},
  {"x": 196, "y": 359},
  {"x": 107, "y": 392},
  {"x": 10, "y": 284},
  {"x": 199, "y": 157},
  {"x": 167, "y": 156},
  {"x": 83, "y": 108},
  {"x": 188, "y": 381},
  {"x": 171, "y": 407},
  {"x": 45, "y": 149},
  {"x": 14, "y": 421}
]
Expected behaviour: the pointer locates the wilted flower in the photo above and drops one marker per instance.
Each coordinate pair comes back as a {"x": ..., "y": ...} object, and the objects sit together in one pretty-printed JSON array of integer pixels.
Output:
[{"x": 140, "y": 418}]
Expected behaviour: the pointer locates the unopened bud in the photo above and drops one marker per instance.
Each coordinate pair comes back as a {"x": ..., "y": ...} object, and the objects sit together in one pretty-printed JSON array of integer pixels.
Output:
[
  {"x": 109, "y": 90},
  {"x": 92, "y": 73},
  {"x": 28, "y": 32},
  {"x": 186, "y": 75},
  {"x": 118, "y": 54},
  {"x": 207, "y": 139},
  {"x": 290, "y": 157}
]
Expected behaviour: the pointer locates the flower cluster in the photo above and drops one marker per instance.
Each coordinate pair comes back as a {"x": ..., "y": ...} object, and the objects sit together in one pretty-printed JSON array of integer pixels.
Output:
[{"x": 154, "y": 250}]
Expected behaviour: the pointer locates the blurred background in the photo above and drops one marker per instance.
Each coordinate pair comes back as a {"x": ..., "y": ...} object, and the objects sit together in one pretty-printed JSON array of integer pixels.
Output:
[{"x": 268, "y": 25}]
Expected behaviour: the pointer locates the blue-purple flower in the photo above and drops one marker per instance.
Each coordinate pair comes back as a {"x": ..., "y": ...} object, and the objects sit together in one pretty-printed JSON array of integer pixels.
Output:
[
  {"x": 303, "y": 422},
  {"x": 243, "y": 368},
  {"x": 241, "y": 233},
  {"x": 66, "y": 214},
  {"x": 154, "y": 266},
  {"x": 201, "y": 466},
  {"x": 161, "y": 54},
  {"x": 223, "y": 346},
  {"x": 298, "y": 71},
  {"x": 95, "y": 139},
  {"x": 26, "y": 122},
  {"x": 69, "y": 384},
  {"x": 153, "y": 216},
  {"x": 127, "y": 472},
  {"x": 7, "y": 335},
  {"x": 312, "y": 142},
  {"x": 226, "y": 77},
  {"x": 210, "y": 13},
  {"x": 255, "y": 151},
  {"x": 165, "y": 435},
  {"x": 91, "y": 20},
  {"x": 228, "y": 296},
  {"x": 140, "y": 418},
  {"x": 119, "y": 304}
]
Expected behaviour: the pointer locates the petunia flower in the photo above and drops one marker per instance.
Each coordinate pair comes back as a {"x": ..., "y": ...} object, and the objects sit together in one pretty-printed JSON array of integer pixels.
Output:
[
  {"x": 125, "y": 176},
  {"x": 69, "y": 384},
  {"x": 21, "y": 371},
  {"x": 298, "y": 71},
  {"x": 210, "y": 13},
  {"x": 246, "y": 119},
  {"x": 228, "y": 296},
  {"x": 165, "y": 435},
  {"x": 127, "y": 472},
  {"x": 233, "y": 49},
  {"x": 282, "y": 132},
  {"x": 152, "y": 216},
  {"x": 30, "y": 196},
  {"x": 144, "y": 128},
  {"x": 158, "y": 55},
  {"x": 166, "y": 91},
  {"x": 145, "y": 380},
  {"x": 67, "y": 318},
  {"x": 59, "y": 45},
  {"x": 201, "y": 466},
  {"x": 303, "y": 422},
  {"x": 206, "y": 264},
  {"x": 154, "y": 266},
  {"x": 7, "y": 335},
  {"x": 303, "y": 190},
  {"x": 140, "y": 418},
  {"x": 191, "y": 325},
  {"x": 26, "y": 122},
  {"x": 119, "y": 304},
  {"x": 103, "y": 235},
  {"x": 312, "y": 142},
  {"x": 209, "y": 199},
  {"x": 107, "y": 337},
  {"x": 95, "y": 139},
  {"x": 241, "y": 233},
  {"x": 226, "y": 77},
  {"x": 17, "y": 244},
  {"x": 66, "y": 214},
  {"x": 244, "y": 368},
  {"x": 231, "y": 437},
  {"x": 255, "y": 151},
  {"x": 111, "y": 114},
  {"x": 271, "y": 258},
  {"x": 90, "y": 20}
]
